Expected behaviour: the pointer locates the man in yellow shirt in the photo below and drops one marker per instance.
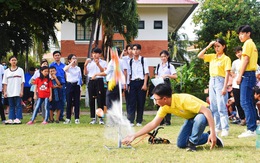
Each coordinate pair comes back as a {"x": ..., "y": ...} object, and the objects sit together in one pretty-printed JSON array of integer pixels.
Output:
[
  {"x": 194, "y": 110},
  {"x": 247, "y": 80}
]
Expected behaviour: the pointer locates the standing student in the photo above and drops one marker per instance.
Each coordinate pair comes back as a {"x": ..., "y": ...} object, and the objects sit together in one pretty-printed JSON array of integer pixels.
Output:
[
  {"x": 166, "y": 71},
  {"x": 13, "y": 82},
  {"x": 236, "y": 90},
  {"x": 43, "y": 89},
  {"x": 247, "y": 79},
  {"x": 195, "y": 112},
  {"x": 219, "y": 69},
  {"x": 73, "y": 75},
  {"x": 27, "y": 85},
  {"x": 138, "y": 86},
  {"x": 56, "y": 102},
  {"x": 60, "y": 72},
  {"x": 95, "y": 85},
  {"x": 2, "y": 112}
]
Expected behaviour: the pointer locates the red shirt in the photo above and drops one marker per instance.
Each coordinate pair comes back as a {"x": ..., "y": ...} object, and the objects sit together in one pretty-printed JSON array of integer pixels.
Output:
[{"x": 43, "y": 87}]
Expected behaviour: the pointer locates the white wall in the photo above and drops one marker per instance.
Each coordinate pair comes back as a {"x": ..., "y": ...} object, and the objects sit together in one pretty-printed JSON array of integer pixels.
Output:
[{"x": 149, "y": 15}]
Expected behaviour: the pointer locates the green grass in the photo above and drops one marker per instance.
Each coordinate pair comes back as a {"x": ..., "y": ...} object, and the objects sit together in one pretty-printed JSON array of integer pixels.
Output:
[{"x": 85, "y": 143}]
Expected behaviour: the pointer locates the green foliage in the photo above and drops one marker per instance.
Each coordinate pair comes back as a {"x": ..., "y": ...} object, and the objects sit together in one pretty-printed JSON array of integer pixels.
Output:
[
  {"x": 192, "y": 77},
  {"x": 218, "y": 16}
]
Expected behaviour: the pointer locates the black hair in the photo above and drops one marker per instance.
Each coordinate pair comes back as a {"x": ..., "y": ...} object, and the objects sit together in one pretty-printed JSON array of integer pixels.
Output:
[
  {"x": 223, "y": 43},
  {"x": 32, "y": 69},
  {"x": 56, "y": 52},
  {"x": 118, "y": 51},
  {"x": 163, "y": 90},
  {"x": 70, "y": 56},
  {"x": 97, "y": 50},
  {"x": 129, "y": 45},
  {"x": 166, "y": 53},
  {"x": 12, "y": 57},
  {"x": 43, "y": 61},
  {"x": 244, "y": 28},
  {"x": 52, "y": 67},
  {"x": 41, "y": 75},
  {"x": 238, "y": 48},
  {"x": 256, "y": 90},
  {"x": 138, "y": 46}
]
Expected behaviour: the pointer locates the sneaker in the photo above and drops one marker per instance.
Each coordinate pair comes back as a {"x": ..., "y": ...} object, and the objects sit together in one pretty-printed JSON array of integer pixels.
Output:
[
  {"x": 224, "y": 133},
  {"x": 9, "y": 122},
  {"x": 17, "y": 121},
  {"x": 30, "y": 123},
  {"x": 101, "y": 121},
  {"x": 243, "y": 122},
  {"x": 191, "y": 147},
  {"x": 132, "y": 125},
  {"x": 139, "y": 124},
  {"x": 219, "y": 142},
  {"x": 57, "y": 121},
  {"x": 93, "y": 121},
  {"x": 62, "y": 120},
  {"x": 44, "y": 123},
  {"x": 77, "y": 121},
  {"x": 247, "y": 133},
  {"x": 51, "y": 121},
  {"x": 67, "y": 121},
  {"x": 217, "y": 131}
]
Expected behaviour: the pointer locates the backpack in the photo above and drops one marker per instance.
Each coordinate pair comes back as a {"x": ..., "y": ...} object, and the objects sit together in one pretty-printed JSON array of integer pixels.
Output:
[
  {"x": 142, "y": 62},
  {"x": 159, "y": 66}
]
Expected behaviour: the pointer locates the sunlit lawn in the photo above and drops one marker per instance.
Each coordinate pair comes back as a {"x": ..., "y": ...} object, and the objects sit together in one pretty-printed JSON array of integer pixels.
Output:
[{"x": 86, "y": 143}]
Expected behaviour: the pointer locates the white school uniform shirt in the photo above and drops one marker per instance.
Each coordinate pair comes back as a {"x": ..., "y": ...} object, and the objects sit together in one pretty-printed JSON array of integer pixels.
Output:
[
  {"x": 73, "y": 74},
  {"x": 235, "y": 69},
  {"x": 127, "y": 60},
  {"x": 13, "y": 80},
  {"x": 93, "y": 68},
  {"x": 2, "y": 70},
  {"x": 164, "y": 70},
  {"x": 110, "y": 68},
  {"x": 137, "y": 69}
]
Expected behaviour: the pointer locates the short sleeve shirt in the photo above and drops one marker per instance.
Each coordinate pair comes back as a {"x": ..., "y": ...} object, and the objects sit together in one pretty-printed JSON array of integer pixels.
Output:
[
  {"x": 183, "y": 105},
  {"x": 218, "y": 66},
  {"x": 250, "y": 50},
  {"x": 43, "y": 87}
]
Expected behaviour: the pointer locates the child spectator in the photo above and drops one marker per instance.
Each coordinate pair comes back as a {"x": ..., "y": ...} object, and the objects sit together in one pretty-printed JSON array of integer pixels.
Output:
[
  {"x": 219, "y": 69},
  {"x": 43, "y": 86},
  {"x": 56, "y": 102},
  {"x": 13, "y": 82}
]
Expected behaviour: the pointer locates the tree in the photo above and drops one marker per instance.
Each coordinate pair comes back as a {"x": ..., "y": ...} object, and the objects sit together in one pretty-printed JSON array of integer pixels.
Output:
[{"x": 223, "y": 17}]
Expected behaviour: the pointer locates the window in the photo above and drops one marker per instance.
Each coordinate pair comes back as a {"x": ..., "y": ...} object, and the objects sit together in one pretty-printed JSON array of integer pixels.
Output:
[
  {"x": 83, "y": 32},
  {"x": 157, "y": 24},
  {"x": 119, "y": 44},
  {"x": 141, "y": 24}
]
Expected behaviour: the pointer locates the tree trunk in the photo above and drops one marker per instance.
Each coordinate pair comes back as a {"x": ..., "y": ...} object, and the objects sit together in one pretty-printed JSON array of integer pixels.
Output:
[{"x": 94, "y": 22}]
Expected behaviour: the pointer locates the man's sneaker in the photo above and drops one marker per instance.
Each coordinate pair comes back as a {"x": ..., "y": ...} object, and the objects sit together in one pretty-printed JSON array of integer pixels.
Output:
[
  {"x": 101, "y": 121},
  {"x": 247, "y": 133},
  {"x": 77, "y": 121},
  {"x": 67, "y": 121},
  {"x": 139, "y": 124},
  {"x": 191, "y": 147},
  {"x": 224, "y": 133},
  {"x": 9, "y": 122},
  {"x": 93, "y": 121},
  {"x": 219, "y": 142},
  {"x": 132, "y": 125},
  {"x": 44, "y": 122},
  {"x": 17, "y": 121},
  {"x": 30, "y": 123}
]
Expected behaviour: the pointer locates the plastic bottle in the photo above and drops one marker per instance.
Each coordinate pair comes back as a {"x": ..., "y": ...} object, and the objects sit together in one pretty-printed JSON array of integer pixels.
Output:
[{"x": 258, "y": 137}]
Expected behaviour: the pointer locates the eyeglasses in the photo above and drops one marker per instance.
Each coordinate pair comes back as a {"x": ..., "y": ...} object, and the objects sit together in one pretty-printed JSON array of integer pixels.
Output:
[{"x": 158, "y": 99}]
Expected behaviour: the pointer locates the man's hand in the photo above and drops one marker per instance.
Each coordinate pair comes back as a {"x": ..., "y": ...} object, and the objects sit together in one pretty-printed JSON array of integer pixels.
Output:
[
  {"x": 212, "y": 140},
  {"x": 128, "y": 140}
]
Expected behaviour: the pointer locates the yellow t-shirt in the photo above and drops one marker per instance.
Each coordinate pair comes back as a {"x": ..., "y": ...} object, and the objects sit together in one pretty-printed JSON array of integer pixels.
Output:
[
  {"x": 218, "y": 66},
  {"x": 182, "y": 105},
  {"x": 250, "y": 50}
]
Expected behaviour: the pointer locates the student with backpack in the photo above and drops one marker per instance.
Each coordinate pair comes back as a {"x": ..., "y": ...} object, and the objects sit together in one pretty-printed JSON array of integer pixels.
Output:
[
  {"x": 166, "y": 71},
  {"x": 138, "y": 86}
]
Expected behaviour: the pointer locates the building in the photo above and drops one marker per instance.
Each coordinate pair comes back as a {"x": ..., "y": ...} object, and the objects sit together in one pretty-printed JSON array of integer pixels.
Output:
[{"x": 157, "y": 19}]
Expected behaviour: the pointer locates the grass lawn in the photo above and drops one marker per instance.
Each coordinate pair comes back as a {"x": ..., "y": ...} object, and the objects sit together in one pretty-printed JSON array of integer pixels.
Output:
[{"x": 85, "y": 143}]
